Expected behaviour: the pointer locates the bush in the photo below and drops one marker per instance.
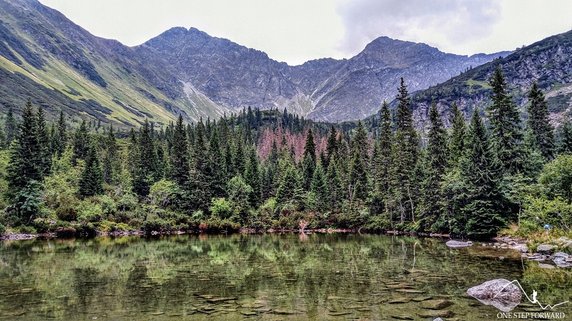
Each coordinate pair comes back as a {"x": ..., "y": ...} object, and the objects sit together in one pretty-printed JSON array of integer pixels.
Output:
[
  {"x": 556, "y": 212},
  {"x": 2, "y": 229},
  {"x": 221, "y": 208},
  {"x": 88, "y": 211},
  {"x": 216, "y": 225},
  {"x": 45, "y": 225},
  {"x": 85, "y": 230},
  {"x": 164, "y": 193}
]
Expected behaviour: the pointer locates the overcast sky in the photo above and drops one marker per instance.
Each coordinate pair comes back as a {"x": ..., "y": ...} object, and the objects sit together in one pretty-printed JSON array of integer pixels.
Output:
[{"x": 298, "y": 30}]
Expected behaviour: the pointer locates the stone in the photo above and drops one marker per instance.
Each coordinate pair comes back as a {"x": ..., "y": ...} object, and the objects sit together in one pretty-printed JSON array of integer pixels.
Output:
[
  {"x": 458, "y": 244},
  {"x": 500, "y": 293},
  {"x": 545, "y": 248},
  {"x": 438, "y": 319},
  {"x": 399, "y": 301},
  {"x": 436, "y": 314},
  {"x": 339, "y": 314},
  {"x": 545, "y": 266},
  {"x": 562, "y": 260},
  {"x": 402, "y": 317},
  {"x": 436, "y": 304}
]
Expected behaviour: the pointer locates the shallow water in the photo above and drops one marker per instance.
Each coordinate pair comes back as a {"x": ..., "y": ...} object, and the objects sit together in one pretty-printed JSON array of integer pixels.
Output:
[{"x": 258, "y": 277}]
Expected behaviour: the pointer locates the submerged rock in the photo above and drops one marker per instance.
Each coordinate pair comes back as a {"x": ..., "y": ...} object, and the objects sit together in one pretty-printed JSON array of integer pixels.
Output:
[
  {"x": 436, "y": 314},
  {"x": 436, "y": 304},
  {"x": 458, "y": 244},
  {"x": 500, "y": 293}
]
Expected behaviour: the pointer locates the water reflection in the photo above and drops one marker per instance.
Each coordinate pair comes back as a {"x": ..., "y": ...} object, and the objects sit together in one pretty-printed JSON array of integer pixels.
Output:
[{"x": 265, "y": 277}]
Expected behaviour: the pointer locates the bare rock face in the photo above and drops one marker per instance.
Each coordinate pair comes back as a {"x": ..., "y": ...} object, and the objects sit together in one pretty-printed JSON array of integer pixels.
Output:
[{"x": 500, "y": 293}]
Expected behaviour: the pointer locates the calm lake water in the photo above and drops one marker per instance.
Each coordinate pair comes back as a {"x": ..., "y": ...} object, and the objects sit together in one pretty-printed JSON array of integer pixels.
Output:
[{"x": 258, "y": 277}]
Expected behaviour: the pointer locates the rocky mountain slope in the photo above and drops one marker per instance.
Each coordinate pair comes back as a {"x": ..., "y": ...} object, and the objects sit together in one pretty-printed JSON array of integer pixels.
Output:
[
  {"x": 547, "y": 62},
  {"x": 57, "y": 64}
]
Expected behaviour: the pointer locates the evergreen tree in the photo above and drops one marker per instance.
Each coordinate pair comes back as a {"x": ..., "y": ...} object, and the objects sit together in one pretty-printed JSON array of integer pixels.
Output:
[
  {"x": 309, "y": 160},
  {"x": 319, "y": 188},
  {"x": 60, "y": 136},
  {"x": 405, "y": 152},
  {"x": 110, "y": 159},
  {"x": 24, "y": 167},
  {"x": 504, "y": 120},
  {"x": 252, "y": 176},
  {"x": 458, "y": 130},
  {"x": 335, "y": 190},
  {"x": 437, "y": 156},
  {"x": 81, "y": 142},
  {"x": 383, "y": 160},
  {"x": 179, "y": 156},
  {"x": 145, "y": 171},
  {"x": 290, "y": 186},
  {"x": 217, "y": 163},
  {"x": 43, "y": 152},
  {"x": 91, "y": 180},
  {"x": 332, "y": 144},
  {"x": 11, "y": 127},
  {"x": 200, "y": 186},
  {"x": 482, "y": 174},
  {"x": 566, "y": 138},
  {"x": 539, "y": 124}
]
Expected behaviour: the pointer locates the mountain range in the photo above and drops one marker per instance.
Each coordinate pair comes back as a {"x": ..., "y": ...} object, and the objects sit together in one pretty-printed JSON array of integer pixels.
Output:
[{"x": 56, "y": 64}]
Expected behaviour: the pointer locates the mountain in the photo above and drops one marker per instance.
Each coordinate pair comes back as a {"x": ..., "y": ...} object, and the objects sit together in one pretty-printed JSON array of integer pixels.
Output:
[
  {"x": 57, "y": 64},
  {"x": 547, "y": 62}
]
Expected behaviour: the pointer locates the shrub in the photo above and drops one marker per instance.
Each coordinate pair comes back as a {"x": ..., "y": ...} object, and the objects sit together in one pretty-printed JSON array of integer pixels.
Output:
[
  {"x": 156, "y": 225},
  {"x": 164, "y": 193},
  {"x": 45, "y": 225},
  {"x": 89, "y": 211},
  {"x": 221, "y": 208},
  {"x": 2, "y": 229}
]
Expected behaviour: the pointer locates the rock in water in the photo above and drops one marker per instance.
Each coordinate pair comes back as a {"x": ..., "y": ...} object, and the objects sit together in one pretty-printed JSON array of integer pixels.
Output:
[
  {"x": 500, "y": 293},
  {"x": 458, "y": 244}
]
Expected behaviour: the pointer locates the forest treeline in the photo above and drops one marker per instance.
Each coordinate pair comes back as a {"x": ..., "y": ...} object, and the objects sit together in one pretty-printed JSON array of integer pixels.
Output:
[{"x": 275, "y": 170}]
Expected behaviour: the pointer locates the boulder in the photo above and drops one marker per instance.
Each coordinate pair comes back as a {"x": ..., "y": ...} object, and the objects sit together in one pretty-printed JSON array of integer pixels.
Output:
[
  {"x": 458, "y": 244},
  {"x": 500, "y": 293},
  {"x": 438, "y": 319},
  {"x": 562, "y": 260},
  {"x": 545, "y": 248}
]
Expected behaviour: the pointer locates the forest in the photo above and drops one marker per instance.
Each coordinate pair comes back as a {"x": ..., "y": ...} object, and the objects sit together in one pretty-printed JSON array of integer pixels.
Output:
[{"x": 263, "y": 170}]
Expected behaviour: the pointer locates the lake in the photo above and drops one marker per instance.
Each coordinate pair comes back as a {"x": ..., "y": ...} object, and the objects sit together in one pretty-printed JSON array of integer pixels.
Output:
[{"x": 259, "y": 277}]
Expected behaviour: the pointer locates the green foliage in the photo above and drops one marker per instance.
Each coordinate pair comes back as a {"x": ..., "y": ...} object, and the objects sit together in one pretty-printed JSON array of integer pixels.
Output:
[
  {"x": 556, "y": 177},
  {"x": 91, "y": 180},
  {"x": 221, "y": 208},
  {"x": 538, "y": 122}
]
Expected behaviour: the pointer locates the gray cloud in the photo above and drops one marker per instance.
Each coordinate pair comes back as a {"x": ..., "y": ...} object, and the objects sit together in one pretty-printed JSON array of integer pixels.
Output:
[{"x": 443, "y": 23}]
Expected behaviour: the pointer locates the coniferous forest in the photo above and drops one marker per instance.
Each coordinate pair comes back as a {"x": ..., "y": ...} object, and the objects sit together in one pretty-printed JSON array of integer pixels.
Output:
[{"x": 486, "y": 171}]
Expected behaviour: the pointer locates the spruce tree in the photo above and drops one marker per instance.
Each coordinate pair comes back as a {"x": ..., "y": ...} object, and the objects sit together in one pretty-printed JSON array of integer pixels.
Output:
[
  {"x": 539, "y": 124},
  {"x": 60, "y": 136},
  {"x": 506, "y": 134},
  {"x": 91, "y": 180},
  {"x": 458, "y": 132},
  {"x": 145, "y": 170},
  {"x": 437, "y": 157},
  {"x": 11, "y": 127},
  {"x": 384, "y": 156},
  {"x": 482, "y": 174},
  {"x": 43, "y": 152},
  {"x": 335, "y": 189},
  {"x": 25, "y": 166},
  {"x": 81, "y": 142},
  {"x": 309, "y": 160},
  {"x": 179, "y": 156},
  {"x": 406, "y": 154},
  {"x": 319, "y": 188},
  {"x": 290, "y": 186},
  {"x": 111, "y": 158},
  {"x": 252, "y": 176},
  {"x": 332, "y": 145},
  {"x": 565, "y": 145},
  {"x": 217, "y": 163}
]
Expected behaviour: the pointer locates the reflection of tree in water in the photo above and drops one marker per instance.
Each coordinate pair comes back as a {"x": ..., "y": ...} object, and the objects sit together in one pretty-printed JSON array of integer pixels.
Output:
[
  {"x": 141, "y": 292},
  {"x": 87, "y": 287}
]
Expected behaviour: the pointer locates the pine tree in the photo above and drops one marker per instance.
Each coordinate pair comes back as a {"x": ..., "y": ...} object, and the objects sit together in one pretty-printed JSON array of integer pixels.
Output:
[
  {"x": 91, "y": 180},
  {"x": 504, "y": 119},
  {"x": 217, "y": 163},
  {"x": 539, "y": 124},
  {"x": 179, "y": 156},
  {"x": 290, "y": 186},
  {"x": 437, "y": 157},
  {"x": 383, "y": 161},
  {"x": 11, "y": 127},
  {"x": 81, "y": 142},
  {"x": 43, "y": 152},
  {"x": 201, "y": 181},
  {"x": 406, "y": 154},
  {"x": 458, "y": 132},
  {"x": 482, "y": 174},
  {"x": 332, "y": 145}
]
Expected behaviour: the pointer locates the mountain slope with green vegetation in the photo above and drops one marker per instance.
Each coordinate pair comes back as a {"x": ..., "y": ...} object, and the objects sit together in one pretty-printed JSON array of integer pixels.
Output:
[{"x": 546, "y": 62}]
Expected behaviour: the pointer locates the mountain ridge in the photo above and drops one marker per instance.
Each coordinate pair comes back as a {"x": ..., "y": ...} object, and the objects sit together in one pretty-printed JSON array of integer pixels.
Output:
[{"x": 52, "y": 60}]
